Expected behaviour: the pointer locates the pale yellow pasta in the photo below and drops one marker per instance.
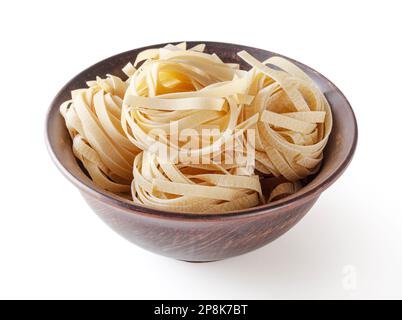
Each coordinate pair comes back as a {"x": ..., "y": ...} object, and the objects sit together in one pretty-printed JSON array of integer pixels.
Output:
[
  {"x": 118, "y": 128},
  {"x": 92, "y": 117},
  {"x": 210, "y": 188},
  {"x": 295, "y": 120}
]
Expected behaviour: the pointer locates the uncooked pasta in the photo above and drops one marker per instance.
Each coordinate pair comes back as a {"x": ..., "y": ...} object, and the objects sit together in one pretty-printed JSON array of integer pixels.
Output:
[{"x": 188, "y": 132}]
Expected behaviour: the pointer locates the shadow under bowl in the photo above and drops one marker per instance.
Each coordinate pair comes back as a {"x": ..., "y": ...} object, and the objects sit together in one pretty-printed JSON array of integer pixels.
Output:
[{"x": 202, "y": 237}]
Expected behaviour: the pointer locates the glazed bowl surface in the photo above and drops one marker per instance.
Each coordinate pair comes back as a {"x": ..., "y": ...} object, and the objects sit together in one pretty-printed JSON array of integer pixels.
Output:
[{"x": 202, "y": 237}]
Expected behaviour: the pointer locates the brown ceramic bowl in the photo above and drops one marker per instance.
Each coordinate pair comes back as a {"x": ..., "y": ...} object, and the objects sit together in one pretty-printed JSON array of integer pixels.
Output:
[{"x": 202, "y": 237}]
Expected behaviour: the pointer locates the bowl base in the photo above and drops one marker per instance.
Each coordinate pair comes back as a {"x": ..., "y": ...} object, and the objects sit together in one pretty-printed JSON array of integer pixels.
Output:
[{"x": 199, "y": 261}]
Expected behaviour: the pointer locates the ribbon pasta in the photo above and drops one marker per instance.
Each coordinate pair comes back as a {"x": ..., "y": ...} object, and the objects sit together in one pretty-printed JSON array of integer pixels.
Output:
[{"x": 117, "y": 127}]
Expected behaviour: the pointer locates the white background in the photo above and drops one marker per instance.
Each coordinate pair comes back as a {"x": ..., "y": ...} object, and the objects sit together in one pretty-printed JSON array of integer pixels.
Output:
[{"x": 53, "y": 246}]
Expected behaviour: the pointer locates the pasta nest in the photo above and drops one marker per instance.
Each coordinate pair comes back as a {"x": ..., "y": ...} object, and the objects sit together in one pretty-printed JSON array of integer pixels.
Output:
[{"x": 92, "y": 118}]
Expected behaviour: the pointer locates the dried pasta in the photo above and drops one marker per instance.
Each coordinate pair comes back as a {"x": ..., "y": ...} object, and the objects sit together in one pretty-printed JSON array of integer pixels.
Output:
[{"x": 119, "y": 127}]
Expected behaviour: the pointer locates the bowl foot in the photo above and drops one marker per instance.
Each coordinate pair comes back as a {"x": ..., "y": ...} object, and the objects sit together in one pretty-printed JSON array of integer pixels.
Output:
[{"x": 198, "y": 261}]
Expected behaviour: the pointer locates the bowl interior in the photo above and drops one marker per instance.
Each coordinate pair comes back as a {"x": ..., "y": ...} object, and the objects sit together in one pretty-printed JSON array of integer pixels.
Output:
[{"x": 337, "y": 154}]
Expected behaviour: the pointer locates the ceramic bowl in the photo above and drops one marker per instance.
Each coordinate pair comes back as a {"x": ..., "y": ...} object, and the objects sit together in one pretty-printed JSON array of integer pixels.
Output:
[{"x": 203, "y": 237}]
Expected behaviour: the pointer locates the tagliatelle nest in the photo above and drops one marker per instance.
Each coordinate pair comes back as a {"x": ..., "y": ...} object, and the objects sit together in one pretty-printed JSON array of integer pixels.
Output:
[
  {"x": 120, "y": 128},
  {"x": 191, "y": 188}
]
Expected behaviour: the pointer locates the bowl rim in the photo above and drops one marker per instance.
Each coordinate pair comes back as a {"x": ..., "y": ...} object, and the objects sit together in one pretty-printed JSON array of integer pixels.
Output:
[{"x": 132, "y": 208}]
